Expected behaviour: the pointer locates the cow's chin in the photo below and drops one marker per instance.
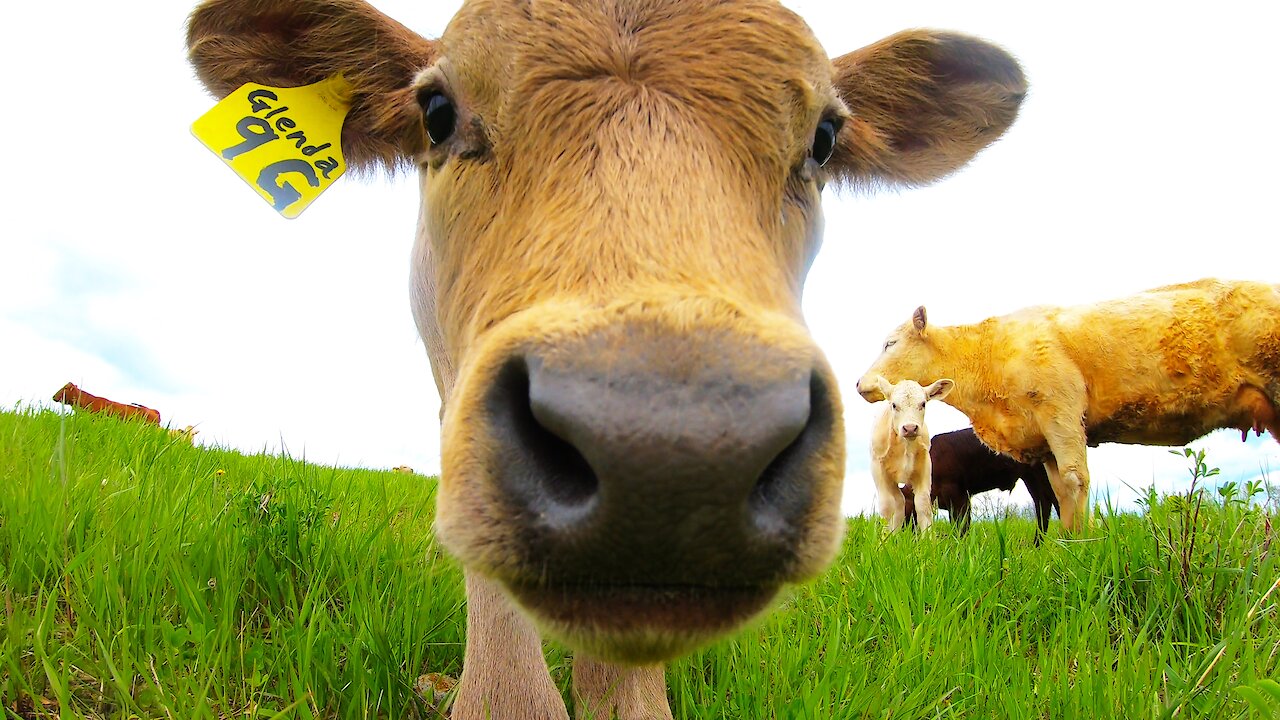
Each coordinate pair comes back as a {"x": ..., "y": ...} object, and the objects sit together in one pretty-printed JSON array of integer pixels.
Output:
[{"x": 637, "y": 624}]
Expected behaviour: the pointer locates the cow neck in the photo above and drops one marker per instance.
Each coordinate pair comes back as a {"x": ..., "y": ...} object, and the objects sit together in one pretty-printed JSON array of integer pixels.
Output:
[{"x": 963, "y": 353}]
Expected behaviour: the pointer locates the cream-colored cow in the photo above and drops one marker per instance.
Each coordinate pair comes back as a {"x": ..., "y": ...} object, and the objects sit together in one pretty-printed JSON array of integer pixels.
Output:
[
  {"x": 1162, "y": 367},
  {"x": 900, "y": 449}
]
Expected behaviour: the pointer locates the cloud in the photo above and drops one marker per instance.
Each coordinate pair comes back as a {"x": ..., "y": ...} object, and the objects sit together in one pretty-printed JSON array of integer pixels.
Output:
[{"x": 91, "y": 303}]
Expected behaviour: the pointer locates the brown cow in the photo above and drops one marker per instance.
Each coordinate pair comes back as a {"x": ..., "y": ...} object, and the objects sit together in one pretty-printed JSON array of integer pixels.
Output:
[
  {"x": 621, "y": 200},
  {"x": 963, "y": 467},
  {"x": 1163, "y": 367},
  {"x": 71, "y": 395}
]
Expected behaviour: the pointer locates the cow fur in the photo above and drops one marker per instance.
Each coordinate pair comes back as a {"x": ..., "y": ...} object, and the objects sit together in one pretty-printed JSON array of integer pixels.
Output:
[
  {"x": 1162, "y": 367},
  {"x": 640, "y": 166}
]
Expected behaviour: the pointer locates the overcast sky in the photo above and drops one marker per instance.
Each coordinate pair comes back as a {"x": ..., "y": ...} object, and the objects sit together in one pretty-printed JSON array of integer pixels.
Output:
[{"x": 133, "y": 263}]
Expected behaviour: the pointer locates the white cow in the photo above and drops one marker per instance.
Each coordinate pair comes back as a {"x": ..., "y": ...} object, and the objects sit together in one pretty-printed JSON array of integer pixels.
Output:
[{"x": 900, "y": 449}]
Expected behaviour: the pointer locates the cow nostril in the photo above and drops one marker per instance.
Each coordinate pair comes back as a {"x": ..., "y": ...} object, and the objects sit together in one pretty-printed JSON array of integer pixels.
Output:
[
  {"x": 548, "y": 474},
  {"x": 784, "y": 490}
]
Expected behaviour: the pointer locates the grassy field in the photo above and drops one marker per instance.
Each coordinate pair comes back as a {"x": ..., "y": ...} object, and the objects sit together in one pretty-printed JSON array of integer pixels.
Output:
[{"x": 143, "y": 577}]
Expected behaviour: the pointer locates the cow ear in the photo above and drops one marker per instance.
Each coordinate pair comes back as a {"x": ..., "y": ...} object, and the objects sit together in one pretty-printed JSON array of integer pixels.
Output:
[
  {"x": 939, "y": 389},
  {"x": 883, "y": 386},
  {"x": 288, "y": 43},
  {"x": 923, "y": 104},
  {"x": 919, "y": 319}
]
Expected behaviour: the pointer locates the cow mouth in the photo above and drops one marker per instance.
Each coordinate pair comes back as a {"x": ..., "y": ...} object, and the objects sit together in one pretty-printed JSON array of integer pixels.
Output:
[{"x": 639, "y": 624}]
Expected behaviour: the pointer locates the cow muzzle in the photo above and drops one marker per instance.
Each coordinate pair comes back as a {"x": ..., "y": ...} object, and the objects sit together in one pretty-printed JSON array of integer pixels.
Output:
[
  {"x": 650, "y": 489},
  {"x": 868, "y": 391}
]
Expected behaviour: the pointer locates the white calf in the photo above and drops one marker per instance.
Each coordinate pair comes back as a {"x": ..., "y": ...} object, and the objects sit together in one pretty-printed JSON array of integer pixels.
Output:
[{"x": 900, "y": 449}]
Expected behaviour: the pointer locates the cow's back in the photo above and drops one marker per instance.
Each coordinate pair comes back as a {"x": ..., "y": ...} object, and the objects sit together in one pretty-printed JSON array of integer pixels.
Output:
[
  {"x": 962, "y": 463},
  {"x": 1165, "y": 366}
]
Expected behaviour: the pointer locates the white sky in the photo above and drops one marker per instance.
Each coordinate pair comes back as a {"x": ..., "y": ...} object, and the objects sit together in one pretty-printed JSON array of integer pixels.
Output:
[{"x": 134, "y": 264}]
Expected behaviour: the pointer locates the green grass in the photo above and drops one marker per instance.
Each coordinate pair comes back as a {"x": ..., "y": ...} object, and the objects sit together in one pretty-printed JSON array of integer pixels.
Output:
[{"x": 142, "y": 577}]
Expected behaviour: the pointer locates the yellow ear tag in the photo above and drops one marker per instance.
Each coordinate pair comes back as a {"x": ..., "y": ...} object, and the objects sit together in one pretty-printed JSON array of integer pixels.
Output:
[{"x": 285, "y": 142}]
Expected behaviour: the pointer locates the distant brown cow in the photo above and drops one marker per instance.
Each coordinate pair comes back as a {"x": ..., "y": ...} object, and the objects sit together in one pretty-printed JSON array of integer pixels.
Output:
[
  {"x": 77, "y": 398},
  {"x": 620, "y": 202},
  {"x": 964, "y": 467},
  {"x": 1163, "y": 367}
]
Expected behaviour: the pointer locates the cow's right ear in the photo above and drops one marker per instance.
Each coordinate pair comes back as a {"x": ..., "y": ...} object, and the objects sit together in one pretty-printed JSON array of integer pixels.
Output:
[
  {"x": 923, "y": 103},
  {"x": 883, "y": 386},
  {"x": 288, "y": 43},
  {"x": 919, "y": 320}
]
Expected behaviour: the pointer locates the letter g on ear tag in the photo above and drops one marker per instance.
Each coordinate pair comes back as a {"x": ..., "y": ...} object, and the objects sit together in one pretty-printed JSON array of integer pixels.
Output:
[{"x": 285, "y": 142}]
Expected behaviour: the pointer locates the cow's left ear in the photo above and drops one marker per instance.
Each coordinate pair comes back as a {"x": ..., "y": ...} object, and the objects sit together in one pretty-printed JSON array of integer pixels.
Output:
[
  {"x": 923, "y": 104},
  {"x": 288, "y": 43},
  {"x": 939, "y": 389}
]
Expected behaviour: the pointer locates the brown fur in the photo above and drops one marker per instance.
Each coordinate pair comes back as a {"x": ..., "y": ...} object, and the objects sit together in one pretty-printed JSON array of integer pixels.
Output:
[
  {"x": 1163, "y": 367},
  {"x": 638, "y": 164},
  {"x": 965, "y": 113},
  {"x": 71, "y": 395}
]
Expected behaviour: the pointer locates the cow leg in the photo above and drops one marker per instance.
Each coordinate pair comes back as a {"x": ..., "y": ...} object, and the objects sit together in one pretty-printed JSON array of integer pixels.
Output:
[
  {"x": 1066, "y": 496},
  {"x": 602, "y": 691},
  {"x": 1042, "y": 517},
  {"x": 893, "y": 507},
  {"x": 1042, "y": 496},
  {"x": 923, "y": 500},
  {"x": 1070, "y": 481},
  {"x": 1072, "y": 489},
  {"x": 504, "y": 674},
  {"x": 960, "y": 513},
  {"x": 1069, "y": 471}
]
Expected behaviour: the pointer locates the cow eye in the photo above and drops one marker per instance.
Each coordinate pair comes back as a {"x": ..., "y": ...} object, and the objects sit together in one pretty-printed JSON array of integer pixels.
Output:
[
  {"x": 824, "y": 141},
  {"x": 439, "y": 116},
  {"x": 895, "y": 405},
  {"x": 890, "y": 343},
  {"x": 921, "y": 406}
]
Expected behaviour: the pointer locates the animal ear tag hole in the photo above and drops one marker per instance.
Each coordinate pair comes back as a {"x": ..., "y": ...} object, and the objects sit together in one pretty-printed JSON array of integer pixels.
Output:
[{"x": 285, "y": 142}]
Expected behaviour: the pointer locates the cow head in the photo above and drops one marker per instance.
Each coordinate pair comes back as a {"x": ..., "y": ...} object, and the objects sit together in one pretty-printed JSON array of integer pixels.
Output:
[
  {"x": 908, "y": 354},
  {"x": 906, "y": 404},
  {"x": 621, "y": 201}
]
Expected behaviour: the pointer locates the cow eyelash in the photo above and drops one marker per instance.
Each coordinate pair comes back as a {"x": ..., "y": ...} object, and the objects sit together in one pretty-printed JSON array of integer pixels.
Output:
[{"x": 890, "y": 344}]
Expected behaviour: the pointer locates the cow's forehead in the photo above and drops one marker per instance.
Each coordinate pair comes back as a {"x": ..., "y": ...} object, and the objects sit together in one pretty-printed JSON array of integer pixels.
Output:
[
  {"x": 740, "y": 60},
  {"x": 907, "y": 391}
]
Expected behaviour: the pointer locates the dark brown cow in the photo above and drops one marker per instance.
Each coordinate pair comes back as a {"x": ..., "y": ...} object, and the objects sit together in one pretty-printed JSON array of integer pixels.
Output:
[
  {"x": 964, "y": 467},
  {"x": 641, "y": 442},
  {"x": 71, "y": 395}
]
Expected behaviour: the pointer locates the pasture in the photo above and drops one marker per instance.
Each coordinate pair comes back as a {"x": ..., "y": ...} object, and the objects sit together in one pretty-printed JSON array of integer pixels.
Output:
[{"x": 144, "y": 577}]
